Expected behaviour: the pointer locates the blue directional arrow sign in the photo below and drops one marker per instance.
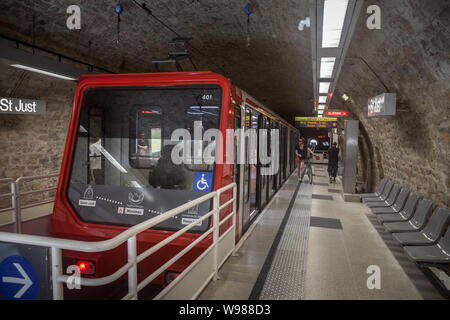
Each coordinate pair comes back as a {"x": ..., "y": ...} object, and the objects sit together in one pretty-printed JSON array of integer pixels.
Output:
[{"x": 18, "y": 279}]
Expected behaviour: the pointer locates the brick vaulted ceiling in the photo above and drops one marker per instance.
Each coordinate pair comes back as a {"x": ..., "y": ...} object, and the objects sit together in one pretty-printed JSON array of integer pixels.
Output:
[{"x": 276, "y": 69}]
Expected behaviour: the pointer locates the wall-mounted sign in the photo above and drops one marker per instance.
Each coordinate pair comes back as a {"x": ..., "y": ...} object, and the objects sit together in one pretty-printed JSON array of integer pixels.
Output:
[
  {"x": 336, "y": 113},
  {"x": 304, "y": 122},
  {"x": 383, "y": 105},
  {"x": 22, "y": 106}
]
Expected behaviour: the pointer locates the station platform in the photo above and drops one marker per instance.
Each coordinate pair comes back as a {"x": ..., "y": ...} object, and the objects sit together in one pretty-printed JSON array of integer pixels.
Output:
[{"x": 308, "y": 244}]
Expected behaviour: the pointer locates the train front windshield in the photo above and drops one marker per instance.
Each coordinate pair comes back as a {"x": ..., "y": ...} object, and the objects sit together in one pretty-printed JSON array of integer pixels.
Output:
[{"x": 123, "y": 170}]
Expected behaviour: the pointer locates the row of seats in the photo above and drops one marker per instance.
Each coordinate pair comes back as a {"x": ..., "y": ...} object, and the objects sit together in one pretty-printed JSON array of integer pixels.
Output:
[{"x": 407, "y": 217}]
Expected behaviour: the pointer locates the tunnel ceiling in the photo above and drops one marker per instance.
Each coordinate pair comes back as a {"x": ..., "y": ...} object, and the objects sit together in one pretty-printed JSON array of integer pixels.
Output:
[{"x": 276, "y": 69}]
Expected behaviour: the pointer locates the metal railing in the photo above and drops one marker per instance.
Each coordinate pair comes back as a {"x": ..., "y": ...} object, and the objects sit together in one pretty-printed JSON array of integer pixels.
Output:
[
  {"x": 129, "y": 236},
  {"x": 16, "y": 197}
]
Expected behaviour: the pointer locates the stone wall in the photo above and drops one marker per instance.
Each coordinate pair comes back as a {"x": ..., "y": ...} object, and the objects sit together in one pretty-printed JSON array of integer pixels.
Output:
[
  {"x": 33, "y": 145},
  {"x": 408, "y": 56}
]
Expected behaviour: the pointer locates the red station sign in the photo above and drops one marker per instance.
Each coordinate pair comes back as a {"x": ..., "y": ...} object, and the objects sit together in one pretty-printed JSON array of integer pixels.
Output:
[{"x": 336, "y": 113}]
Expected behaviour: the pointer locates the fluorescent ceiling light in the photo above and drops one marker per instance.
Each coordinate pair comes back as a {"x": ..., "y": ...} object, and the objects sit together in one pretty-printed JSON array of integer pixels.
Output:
[
  {"x": 322, "y": 99},
  {"x": 327, "y": 67},
  {"x": 42, "y": 72},
  {"x": 322, "y": 107},
  {"x": 320, "y": 112},
  {"x": 324, "y": 87},
  {"x": 345, "y": 97},
  {"x": 333, "y": 22}
]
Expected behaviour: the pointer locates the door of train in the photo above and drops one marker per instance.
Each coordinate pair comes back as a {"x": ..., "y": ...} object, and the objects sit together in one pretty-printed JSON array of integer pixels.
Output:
[
  {"x": 276, "y": 175},
  {"x": 263, "y": 179},
  {"x": 237, "y": 166},
  {"x": 271, "y": 177},
  {"x": 250, "y": 207},
  {"x": 284, "y": 162}
]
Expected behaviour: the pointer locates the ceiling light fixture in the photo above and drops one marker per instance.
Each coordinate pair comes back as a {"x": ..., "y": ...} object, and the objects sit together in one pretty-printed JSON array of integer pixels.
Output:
[
  {"x": 324, "y": 87},
  {"x": 327, "y": 67},
  {"x": 322, "y": 99},
  {"x": 20, "y": 66},
  {"x": 333, "y": 22}
]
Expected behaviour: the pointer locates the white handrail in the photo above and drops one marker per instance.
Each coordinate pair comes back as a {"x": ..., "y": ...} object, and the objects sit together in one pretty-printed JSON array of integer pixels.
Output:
[
  {"x": 16, "y": 196},
  {"x": 129, "y": 236},
  {"x": 105, "y": 245}
]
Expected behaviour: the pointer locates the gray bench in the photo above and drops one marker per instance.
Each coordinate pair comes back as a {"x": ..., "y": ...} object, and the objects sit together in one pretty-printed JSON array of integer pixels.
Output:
[
  {"x": 383, "y": 196},
  {"x": 437, "y": 254},
  {"x": 405, "y": 215},
  {"x": 396, "y": 207},
  {"x": 379, "y": 191},
  {"x": 417, "y": 223},
  {"x": 428, "y": 236},
  {"x": 388, "y": 202}
]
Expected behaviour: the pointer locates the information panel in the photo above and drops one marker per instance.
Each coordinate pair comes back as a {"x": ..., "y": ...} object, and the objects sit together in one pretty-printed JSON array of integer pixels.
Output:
[{"x": 315, "y": 122}]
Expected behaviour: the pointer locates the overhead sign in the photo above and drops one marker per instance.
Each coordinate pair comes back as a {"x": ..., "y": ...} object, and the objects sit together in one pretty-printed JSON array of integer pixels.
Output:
[
  {"x": 383, "y": 105},
  {"x": 313, "y": 122},
  {"x": 336, "y": 113},
  {"x": 324, "y": 119},
  {"x": 22, "y": 106}
]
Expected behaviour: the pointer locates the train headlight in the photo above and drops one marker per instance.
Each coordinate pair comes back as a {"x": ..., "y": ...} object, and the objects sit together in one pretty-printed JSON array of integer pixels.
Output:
[
  {"x": 170, "y": 276},
  {"x": 86, "y": 267}
]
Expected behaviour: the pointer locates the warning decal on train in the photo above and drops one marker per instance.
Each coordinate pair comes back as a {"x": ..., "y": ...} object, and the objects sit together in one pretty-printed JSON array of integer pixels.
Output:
[
  {"x": 88, "y": 198},
  {"x": 188, "y": 221}
]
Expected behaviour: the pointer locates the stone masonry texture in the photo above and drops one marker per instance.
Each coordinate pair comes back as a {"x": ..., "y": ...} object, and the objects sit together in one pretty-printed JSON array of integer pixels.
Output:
[{"x": 408, "y": 56}]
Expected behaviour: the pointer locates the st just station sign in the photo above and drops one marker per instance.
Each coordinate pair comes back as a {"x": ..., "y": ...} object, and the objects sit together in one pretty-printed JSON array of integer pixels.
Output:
[
  {"x": 316, "y": 122},
  {"x": 22, "y": 106},
  {"x": 383, "y": 105}
]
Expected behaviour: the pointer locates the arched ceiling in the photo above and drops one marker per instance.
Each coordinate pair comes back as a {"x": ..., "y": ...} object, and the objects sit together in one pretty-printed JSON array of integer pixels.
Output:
[{"x": 276, "y": 68}]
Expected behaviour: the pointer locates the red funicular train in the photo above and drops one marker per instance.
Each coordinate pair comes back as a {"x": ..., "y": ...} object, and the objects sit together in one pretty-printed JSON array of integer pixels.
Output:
[{"x": 116, "y": 170}]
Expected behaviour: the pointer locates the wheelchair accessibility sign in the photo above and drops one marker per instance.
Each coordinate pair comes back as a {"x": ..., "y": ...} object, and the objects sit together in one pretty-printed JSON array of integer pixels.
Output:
[{"x": 203, "y": 181}]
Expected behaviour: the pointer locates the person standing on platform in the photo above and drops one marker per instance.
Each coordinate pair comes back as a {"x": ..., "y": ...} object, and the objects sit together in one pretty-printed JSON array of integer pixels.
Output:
[
  {"x": 333, "y": 160},
  {"x": 301, "y": 152}
]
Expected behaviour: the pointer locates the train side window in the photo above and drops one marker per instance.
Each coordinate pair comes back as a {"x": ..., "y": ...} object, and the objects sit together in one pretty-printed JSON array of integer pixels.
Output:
[{"x": 145, "y": 136}]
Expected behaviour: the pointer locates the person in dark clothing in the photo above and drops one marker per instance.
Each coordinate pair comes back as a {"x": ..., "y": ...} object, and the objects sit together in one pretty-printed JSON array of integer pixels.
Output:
[
  {"x": 143, "y": 146},
  {"x": 167, "y": 175},
  {"x": 333, "y": 159},
  {"x": 301, "y": 151}
]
